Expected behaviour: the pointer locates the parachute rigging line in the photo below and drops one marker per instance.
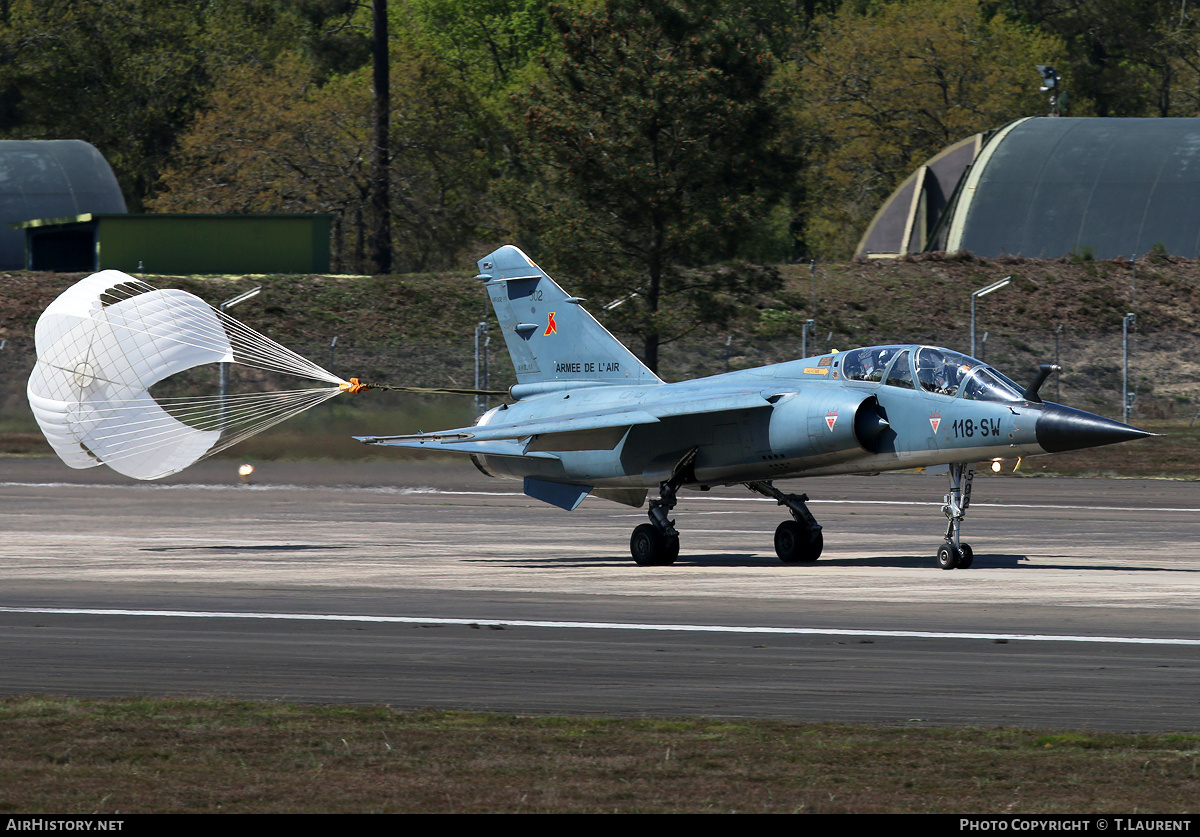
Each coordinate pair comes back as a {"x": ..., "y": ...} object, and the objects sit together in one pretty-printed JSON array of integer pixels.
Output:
[{"x": 249, "y": 347}]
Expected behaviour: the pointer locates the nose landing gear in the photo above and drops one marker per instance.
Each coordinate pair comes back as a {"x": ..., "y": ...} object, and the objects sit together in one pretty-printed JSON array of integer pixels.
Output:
[{"x": 954, "y": 554}]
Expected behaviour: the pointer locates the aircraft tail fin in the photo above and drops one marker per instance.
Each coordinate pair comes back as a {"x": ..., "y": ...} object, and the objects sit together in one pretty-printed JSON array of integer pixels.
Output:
[{"x": 554, "y": 343}]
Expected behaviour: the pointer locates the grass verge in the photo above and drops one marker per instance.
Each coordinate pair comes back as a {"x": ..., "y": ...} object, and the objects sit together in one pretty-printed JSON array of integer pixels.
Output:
[
  {"x": 205, "y": 756},
  {"x": 1174, "y": 454}
]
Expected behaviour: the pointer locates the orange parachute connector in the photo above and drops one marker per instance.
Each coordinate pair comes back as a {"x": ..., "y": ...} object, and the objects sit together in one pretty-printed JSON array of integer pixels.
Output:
[{"x": 353, "y": 386}]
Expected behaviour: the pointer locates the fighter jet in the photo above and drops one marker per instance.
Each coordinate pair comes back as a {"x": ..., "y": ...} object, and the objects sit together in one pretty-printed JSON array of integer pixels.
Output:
[{"x": 589, "y": 418}]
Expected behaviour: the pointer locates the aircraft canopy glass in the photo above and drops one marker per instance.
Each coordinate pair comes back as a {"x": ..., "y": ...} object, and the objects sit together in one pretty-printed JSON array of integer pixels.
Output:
[
  {"x": 939, "y": 371},
  {"x": 948, "y": 373},
  {"x": 869, "y": 364}
]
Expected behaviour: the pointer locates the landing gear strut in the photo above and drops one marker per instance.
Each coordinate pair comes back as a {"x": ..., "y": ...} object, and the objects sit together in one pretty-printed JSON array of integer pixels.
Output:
[
  {"x": 798, "y": 540},
  {"x": 657, "y": 543},
  {"x": 954, "y": 553}
]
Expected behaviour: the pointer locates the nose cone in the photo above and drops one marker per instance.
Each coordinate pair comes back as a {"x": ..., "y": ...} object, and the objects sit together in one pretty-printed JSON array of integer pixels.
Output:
[{"x": 1062, "y": 428}]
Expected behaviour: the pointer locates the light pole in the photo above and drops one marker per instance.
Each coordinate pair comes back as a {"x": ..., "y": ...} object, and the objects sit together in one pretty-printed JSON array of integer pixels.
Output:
[
  {"x": 1057, "y": 378},
  {"x": 995, "y": 286},
  {"x": 229, "y": 303},
  {"x": 482, "y": 341},
  {"x": 812, "y": 272},
  {"x": 1128, "y": 320},
  {"x": 1053, "y": 85}
]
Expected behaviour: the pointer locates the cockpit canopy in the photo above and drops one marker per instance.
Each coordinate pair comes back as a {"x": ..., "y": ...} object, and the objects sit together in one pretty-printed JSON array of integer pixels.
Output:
[{"x": 939, "y": 371}]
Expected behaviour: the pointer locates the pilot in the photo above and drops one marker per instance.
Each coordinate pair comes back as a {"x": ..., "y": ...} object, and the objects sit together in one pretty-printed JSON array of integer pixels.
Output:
[
  {"x": 949, "y": 377},
  {"x": 878, "y": 363}
]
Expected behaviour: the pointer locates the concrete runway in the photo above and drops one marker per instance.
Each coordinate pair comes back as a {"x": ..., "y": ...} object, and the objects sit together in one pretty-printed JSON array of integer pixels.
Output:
[{"x": 425, "y": 584}]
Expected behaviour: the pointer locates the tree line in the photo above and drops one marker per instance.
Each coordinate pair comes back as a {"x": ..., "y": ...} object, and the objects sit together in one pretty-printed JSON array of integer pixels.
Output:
[{"x": 662, "y": 153}]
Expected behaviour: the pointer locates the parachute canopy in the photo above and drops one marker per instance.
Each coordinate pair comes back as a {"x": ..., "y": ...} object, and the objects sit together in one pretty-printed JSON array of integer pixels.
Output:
[{"x": 108, "y": 339}]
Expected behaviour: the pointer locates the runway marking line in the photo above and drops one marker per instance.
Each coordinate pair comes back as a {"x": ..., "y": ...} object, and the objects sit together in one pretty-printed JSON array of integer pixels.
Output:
[{"x": 619, "y": 626}]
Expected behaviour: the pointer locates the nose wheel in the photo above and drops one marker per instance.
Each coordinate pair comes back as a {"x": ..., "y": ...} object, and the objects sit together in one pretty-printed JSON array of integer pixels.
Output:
[
  {"x": 951, "y": 558},
  {"x": 954, "y": 554}
]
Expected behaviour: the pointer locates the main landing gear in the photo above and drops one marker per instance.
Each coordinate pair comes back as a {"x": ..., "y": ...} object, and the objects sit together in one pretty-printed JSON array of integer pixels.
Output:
[
  {"x": 798, "y": 540},
  {"x": 657, "y": 543},
  {"x": 954, "y": 554}
]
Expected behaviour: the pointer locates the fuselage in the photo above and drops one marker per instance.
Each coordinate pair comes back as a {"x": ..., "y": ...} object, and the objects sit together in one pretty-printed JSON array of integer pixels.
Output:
[{"x": 864, "y": 411}]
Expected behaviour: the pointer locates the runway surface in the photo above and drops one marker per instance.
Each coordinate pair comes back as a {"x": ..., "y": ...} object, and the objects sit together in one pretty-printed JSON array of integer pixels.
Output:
[{"x": 425, "y": 584}]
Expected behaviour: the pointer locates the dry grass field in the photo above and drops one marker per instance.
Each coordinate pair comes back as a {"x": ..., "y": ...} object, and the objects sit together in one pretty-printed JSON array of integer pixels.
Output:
[{"x": 172, "y": 756}]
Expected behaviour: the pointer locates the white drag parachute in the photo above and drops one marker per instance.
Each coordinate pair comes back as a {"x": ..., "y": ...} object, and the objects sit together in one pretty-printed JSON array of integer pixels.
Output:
[{"x": 108, "y": 339}]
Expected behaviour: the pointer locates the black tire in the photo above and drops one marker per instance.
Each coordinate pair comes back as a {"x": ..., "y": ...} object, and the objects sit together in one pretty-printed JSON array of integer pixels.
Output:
[
  {"x": 966, "y": 557},
  {"x": 948, "y": 557},
  {"x": 650, "y": 548},
  {"x": 670, "y": 550},
  {"x": 795, "y": 544}
]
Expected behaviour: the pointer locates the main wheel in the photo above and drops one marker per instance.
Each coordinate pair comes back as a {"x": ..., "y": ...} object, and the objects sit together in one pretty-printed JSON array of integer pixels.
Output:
[
  {"x": 948, "y": 557},
  {"x": 671, "y": 550},
  {"x": 795, "y": 544},
  {"x": 650, "y": 548},
  {"x": 966, "y": 556}
]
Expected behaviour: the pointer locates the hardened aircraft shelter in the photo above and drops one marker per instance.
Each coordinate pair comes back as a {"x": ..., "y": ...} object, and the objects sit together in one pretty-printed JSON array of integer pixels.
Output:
[
  {"x": 49, "y": 178},
  {"x": 1045, "y": 187}
]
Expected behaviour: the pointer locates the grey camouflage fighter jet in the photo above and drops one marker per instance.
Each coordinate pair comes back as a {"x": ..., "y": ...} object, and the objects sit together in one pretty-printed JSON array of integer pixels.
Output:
[{"x": 589, "y": 418}]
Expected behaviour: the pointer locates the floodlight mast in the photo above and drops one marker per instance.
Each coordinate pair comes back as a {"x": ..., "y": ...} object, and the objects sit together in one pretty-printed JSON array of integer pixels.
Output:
[
  {"x": 995, "y": 286},
  {"x": 1126, "y": 395},
  {"x": 482, "y": 341},
  {"x": 1051, "y": 85}
]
